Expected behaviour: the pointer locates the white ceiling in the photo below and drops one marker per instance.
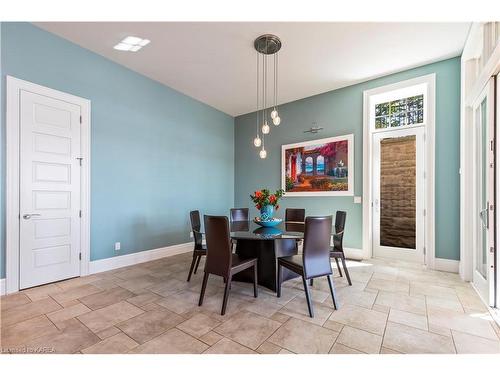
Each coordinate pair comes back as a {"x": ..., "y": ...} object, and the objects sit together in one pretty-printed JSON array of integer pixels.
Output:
[{"x": 215, "y": 62}]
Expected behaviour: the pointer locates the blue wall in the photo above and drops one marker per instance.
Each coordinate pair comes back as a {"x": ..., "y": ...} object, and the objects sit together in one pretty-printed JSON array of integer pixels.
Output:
[
  {"x": 341, "y": 112},
  {"x": 156, "y": 153}
]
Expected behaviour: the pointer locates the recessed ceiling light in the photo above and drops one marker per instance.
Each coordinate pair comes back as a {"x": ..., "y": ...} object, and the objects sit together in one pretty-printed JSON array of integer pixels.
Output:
[{"x": 131, "y": 43}]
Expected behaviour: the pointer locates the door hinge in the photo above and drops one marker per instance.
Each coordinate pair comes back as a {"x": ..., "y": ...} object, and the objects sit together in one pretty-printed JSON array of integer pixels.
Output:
[
  {"x": 80, "y": 119},
  {"x": 425, "y": 250},
  {"x": 80, "y": 161},
  {"x": 80, "y": 213},
  {"x": 80, "y": 256},
  {"x": 491, "y": 145},
  {"x": 425, "y": 212}
]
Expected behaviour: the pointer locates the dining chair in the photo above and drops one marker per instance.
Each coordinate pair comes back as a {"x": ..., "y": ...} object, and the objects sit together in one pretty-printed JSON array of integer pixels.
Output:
[
  {"x": 199, "y": 249},
  {"x": 295, "y": 214},
  {"x": 220, "y": 259},
  {"x": 315, "y": 259},
  {"x": 337, "y": 252},
  {"x": 239, "y": 214}
]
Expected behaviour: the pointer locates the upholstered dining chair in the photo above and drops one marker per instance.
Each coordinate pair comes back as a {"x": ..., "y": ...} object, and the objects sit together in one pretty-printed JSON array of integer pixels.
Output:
[
  {"x": 315, "y": 259},
  {"x": 337, "y": 252},
  {"x": 239, "y": 214},
  {"x": 199, "y": 249},
  {"x": 295, "y": 214},
  {"x": 220, "y": 259}
]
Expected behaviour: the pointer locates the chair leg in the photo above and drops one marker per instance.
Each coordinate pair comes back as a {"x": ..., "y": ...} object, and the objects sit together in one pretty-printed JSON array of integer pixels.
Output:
[
  {"x": 332, "y": 290},
  {"x": 346, "y": 271},
  {"x": 203, "y": 287},
  {"x": 308, "y": 297},
  {"x": 197, "y": 264},
  {"x": 279, "y": 280},
  {"x": 226, "y": 295},
  {"x": 191, "y": 268},
  {"x": 338, "y": 266},
  {"x": 255, "y": 280}
]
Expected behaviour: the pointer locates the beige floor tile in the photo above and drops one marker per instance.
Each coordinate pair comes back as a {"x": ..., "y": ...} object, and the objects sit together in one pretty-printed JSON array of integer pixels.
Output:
[
  {"x": 354, "y": 297},
  {"x": 138, "y": 283},
  {"x": 211, "y": 338},
  {"x": 105, "y": 298},
  {"x": 466, "y": 323},
  {"x": 263, "y": 307},
  {"x": 381, "y": 308},
  {"x": 72, "y": 337},
  {"x": 226, "y": 346},
  {"x": 268, "y": 348},
  {"x": 143, "y": 298},
  {"x": 429, "y": 289},
  {"x": 361, "y": 318},
  {"x": 443, "y": 331},
  {"x": 126, "y": 273},
  {"x": 116, "y": 344},
  {"x": 108, "y": 316},
  {"x": 470, "y": 344},
  {"x": 153, "y": 323},
  {"x": 445, "y": 303},
  {"x": 77, "y": 281},
  {"x": 198, "y": 325},
  {"x": 297, "y": 308},
  {"x": 279, "y": 317},
  {"x": 360, "y": 340},
  {"x": 68, "y": 313},
  {"x": 284, "y": 351},
  {"x": 180, "y": 303},
  {"x": 13, "y": 300},
  {"x": 402, "y": 302},
  {"x": 299, "y": 336},
  {"x": 27, "y": 311},
  {"x": 42, "y": 292},
  {"x": 408, "y": 318},
  {"x": 388, "y": 351},
  {"x": 248, "y": 329},
  {"x": 169, "y": 287},
  {"x": 342, "y": 349},
  {"x": 108, "y": 332},
  {"x": 388, "y": 285},
  {"x": 334, "y": 326},
  {"x": 173, "y": 341},
  {"x": 22, "y": 333},
  {"x": 411, "y": 340},
  {"x": 76, "y": 292}
]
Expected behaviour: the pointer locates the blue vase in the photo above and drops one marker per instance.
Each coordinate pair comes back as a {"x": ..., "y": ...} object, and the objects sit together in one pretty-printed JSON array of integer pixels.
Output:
[{"x": 266, "y": 212}]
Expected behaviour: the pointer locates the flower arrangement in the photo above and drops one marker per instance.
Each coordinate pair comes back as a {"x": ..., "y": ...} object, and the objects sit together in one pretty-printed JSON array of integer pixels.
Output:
[{"x": 263, "y": 198}]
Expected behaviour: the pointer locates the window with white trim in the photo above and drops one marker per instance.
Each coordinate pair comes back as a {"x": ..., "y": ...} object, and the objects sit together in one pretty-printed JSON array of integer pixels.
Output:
[{"x": 400, "y": 112}]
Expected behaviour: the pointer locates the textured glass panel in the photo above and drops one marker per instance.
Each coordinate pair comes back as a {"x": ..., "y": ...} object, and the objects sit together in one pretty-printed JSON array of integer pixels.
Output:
[
  {"x": 382, "y": 109},
  {"x": 381, "y": 122},
  {"x": 398, "y": 192}
]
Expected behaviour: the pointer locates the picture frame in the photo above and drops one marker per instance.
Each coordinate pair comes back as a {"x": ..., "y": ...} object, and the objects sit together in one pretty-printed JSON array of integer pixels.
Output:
[{"x": 319, "y": 167}]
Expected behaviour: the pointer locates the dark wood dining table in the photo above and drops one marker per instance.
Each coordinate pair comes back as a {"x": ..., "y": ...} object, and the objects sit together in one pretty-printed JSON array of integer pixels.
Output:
[{"x": 267, "y": 245}]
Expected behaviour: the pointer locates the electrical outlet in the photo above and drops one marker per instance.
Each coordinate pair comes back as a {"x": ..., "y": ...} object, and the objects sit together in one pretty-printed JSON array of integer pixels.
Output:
[
  {"x": 190, "y": 234},
  {"x": 117, "y": 246}
]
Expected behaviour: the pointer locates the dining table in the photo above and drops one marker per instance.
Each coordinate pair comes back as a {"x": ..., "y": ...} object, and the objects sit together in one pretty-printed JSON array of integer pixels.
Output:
[{"x": 267, "y": 244}]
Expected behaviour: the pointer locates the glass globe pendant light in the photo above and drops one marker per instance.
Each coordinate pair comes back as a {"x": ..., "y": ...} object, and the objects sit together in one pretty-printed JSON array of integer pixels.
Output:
[
  {"x": 265, "y": 128},
  {"x": 277, "y": 120},
  {"x": 257, "y": 141},
  {"x": 263, "y": 153}
]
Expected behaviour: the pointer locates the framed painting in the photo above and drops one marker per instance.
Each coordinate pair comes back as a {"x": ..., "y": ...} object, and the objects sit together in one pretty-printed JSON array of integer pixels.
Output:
[{"x": 323, "y": 167}]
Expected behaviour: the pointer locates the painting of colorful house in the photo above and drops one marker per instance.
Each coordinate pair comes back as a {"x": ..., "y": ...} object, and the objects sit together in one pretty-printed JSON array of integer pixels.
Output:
[{"x": 320, "y": 167}]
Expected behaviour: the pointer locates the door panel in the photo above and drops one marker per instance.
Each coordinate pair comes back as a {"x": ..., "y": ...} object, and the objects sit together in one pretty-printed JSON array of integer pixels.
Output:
[
  {"x": 49, "y": 189},
  {"x": 484, "y": 199},
  {"x": 398, "y": 191}
]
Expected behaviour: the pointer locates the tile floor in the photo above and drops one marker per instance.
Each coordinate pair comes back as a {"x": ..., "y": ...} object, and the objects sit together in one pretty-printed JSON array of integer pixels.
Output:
[{"x": 392, "y": 307}]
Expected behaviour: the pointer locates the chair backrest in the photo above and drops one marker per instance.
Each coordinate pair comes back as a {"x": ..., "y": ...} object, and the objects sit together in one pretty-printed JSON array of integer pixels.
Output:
[
  {"x": 195, "y": 227},
  {"x": 218, "y": 245},
  {"x": 295, "y": 214},
  {"x": 239, "y": 214},
  {"x": 316, "y": 253},
  {"x": 338, "y": 239}
]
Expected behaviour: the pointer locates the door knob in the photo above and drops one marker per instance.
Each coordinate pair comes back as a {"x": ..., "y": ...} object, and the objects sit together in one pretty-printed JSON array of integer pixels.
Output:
[{"x": 28, "y": 216}]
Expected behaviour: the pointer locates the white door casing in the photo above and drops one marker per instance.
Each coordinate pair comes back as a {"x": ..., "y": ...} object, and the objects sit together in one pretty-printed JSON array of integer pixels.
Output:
[
  {"x": 47, "y": 131},
  {"x": 49, "y": 235},
  {"x": 379, "y": 250}
]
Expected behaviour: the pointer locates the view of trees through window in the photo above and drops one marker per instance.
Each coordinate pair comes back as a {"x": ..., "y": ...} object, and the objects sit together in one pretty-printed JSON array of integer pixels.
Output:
[{"x": 401, "y": 112}]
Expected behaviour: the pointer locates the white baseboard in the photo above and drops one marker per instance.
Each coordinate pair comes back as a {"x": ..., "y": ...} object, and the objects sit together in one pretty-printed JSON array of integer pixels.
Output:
[
  {"x": 2, "y": 287},
  {"x": 355, "y": 254},
  {"x": 446, "y": 265},
  {"x": 107, "y": 264}
]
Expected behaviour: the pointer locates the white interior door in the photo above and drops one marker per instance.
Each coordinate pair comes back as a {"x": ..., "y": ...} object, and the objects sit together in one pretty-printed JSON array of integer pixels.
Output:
[
  {"x": 49, "y": 190},
  {"x": 398, "y": 194},
  {"x": 484, "y": 187}
]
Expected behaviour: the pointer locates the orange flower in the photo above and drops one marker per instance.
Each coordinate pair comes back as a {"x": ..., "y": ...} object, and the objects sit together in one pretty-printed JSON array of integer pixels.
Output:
[
  {"x": 258, "y": 194},
  {"x": 272, "y": 198}
]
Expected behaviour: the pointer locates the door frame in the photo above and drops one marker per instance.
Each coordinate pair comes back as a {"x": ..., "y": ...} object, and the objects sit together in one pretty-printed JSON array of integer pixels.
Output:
[
  {"x": 14, "y": 87},
  {"x": 429, "y": 148},
  {"x": 410, "y": 255}
]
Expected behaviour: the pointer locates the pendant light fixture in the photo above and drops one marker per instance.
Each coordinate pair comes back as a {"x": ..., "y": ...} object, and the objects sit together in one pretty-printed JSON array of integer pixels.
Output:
[{"x": 266, "y": 45}]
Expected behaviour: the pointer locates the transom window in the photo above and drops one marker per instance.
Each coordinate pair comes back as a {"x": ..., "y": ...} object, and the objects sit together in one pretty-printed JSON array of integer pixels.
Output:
[{"x": 400, "y": 112}]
